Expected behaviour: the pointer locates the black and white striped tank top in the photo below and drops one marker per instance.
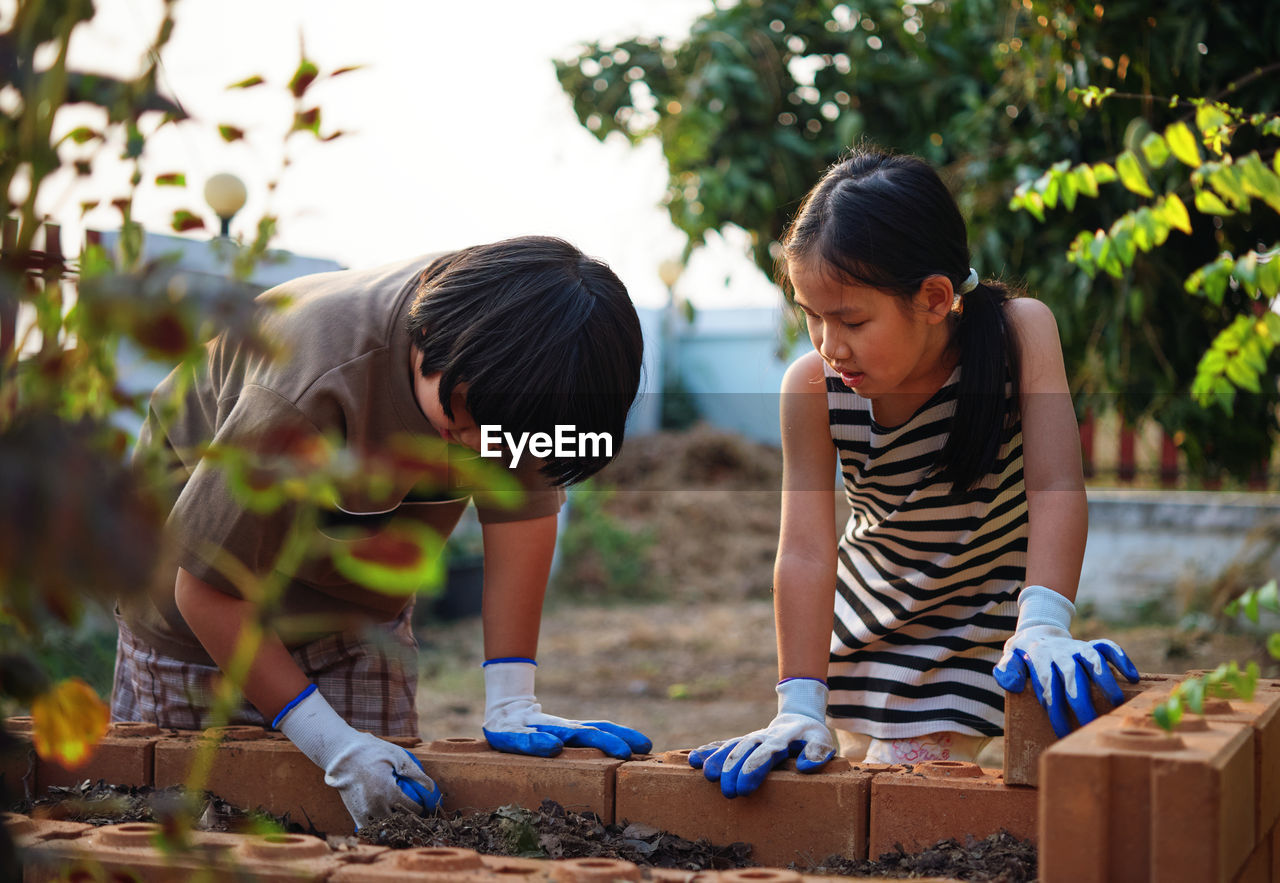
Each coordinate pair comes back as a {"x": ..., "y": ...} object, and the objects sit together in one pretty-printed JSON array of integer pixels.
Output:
[{"x": 926, "y": 580}]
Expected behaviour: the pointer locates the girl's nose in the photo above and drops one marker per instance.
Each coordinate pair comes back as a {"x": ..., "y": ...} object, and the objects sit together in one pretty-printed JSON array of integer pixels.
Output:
[{"x": 833, "y": 348}]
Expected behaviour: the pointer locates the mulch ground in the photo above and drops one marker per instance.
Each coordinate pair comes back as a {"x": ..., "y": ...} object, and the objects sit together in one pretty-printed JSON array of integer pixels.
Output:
[{"x": 550, "y": 832}]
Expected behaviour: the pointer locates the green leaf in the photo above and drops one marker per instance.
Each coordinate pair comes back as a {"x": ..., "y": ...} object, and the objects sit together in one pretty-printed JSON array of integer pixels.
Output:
[
  {"x": 172, "y": 179},
  {"x": 1251, "y": 606},
  {"x": 1259, "y": 181},
  {"x": 1273, "y": 645},
  {"x": 1175, "y": 213},
  {"x": 80, "y": 135},
  {"x": 1155, "y": 150},
  {"x": 403, "y": 558},
  {"x": 1192, "y": 690},
  {"x": 1183, "y": 144},
  {"x": 1269, "y": 596},
  {"x": 184, "y": 221},
  {"x": 1085, "y": 180},
  {"x": 1209, "y": 204},
  {"x": 230, "y": 133},
  {"x": 1131, "y": 175},
  {"x": 1168, "y": 714},
  {"x": 1103, "y": 173},
  {"x": 248, "y": 83},
  {"x": 1210, "y": 118},
  {"x": 1228, "y": 181},
  {"x": 303, "y": 77}
]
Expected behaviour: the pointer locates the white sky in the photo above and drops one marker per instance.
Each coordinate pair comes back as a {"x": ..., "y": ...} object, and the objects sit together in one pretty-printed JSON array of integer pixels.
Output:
[{"x": 460, "y": 131}]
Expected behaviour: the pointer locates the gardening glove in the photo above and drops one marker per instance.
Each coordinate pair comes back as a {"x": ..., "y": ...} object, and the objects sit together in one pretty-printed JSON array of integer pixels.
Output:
[
  {"x": 1058, "y": 666},
  {"x": 372, "y": 775},
  {"x": 514, "y": 722},
  {"x": 799, "y": 731}
]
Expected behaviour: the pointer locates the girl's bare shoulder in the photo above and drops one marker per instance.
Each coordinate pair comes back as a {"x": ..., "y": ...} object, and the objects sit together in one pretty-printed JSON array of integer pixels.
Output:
[{"x": 805, "y": 374}]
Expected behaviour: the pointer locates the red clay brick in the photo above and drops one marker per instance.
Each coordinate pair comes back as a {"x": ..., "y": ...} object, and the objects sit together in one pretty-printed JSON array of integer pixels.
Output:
[
  {"x": 792, "y": 817},
  {"x": 475, "y": 777},
  {"x": 133, "y": 850},
  {"x": 946, "y": 798},
  {"x": 1263, "y": 715},
  {"x": 123, "y": 757},
  {"x": 254, "y": 769},
  {"x": 1257, "y": 869},
  {"x": 1124, "y": 802},
  {"x": 1027, "y": 731}
]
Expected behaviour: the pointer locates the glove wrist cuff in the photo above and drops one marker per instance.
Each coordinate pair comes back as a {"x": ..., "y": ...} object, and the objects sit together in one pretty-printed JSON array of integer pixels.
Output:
[
  {"x": 507, "y": 684},
  {"x": 806, "y": 696},
  {"x": 315, "y": 728},
  {"x": 1041, "y": 606}
]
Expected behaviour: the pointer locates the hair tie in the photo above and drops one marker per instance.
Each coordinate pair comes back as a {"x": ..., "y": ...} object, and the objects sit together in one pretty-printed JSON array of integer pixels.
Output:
[{"x": 970, "y": 282}]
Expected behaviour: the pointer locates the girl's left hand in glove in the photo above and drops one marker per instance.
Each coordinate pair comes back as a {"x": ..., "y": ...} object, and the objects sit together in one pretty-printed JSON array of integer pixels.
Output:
[{"x": 1058, "y": 666}]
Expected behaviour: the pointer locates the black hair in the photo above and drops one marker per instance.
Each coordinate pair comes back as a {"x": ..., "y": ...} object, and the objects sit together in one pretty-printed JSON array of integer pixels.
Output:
[
  {"x": 887, "y": 221},
  {"x": 542, "y": 335}
]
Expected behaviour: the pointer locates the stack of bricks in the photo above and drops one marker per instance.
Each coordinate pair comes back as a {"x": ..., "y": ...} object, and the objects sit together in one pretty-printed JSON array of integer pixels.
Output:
[
  {"x": 1121, "y": 799},
  {"x": 1116, "y": 800}
]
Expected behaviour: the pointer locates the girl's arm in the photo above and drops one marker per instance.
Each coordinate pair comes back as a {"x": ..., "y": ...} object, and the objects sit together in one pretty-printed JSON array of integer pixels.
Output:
[
  {"x": 1058, "y": 512},
  {"x": 804, "y": 574},
  {"x": 1042, "y": 651}
]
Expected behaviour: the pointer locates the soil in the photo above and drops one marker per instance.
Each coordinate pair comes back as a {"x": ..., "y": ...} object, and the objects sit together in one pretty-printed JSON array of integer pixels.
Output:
[
  {"x": 100, "y": 803},
  {"x": 552, "y": 832},
  {"x": 1000, "y": 857}
]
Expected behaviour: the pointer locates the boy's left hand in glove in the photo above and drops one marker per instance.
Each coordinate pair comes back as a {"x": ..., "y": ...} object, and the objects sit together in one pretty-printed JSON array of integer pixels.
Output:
[
  {"x": 1058, "y": 666},
  {"x": 514, "y": 722}
]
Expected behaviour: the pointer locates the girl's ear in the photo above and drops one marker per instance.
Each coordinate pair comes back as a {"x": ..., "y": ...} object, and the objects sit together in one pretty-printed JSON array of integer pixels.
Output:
[{"x": 935, "y": 298}]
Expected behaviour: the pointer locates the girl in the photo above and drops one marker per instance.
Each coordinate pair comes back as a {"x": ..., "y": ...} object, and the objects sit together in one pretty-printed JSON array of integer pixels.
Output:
[{"x": 945, "y": 404}]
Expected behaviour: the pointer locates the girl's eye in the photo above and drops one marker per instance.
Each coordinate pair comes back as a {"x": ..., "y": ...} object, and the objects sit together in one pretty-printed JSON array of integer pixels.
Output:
[{"x": 853, "y": 324}]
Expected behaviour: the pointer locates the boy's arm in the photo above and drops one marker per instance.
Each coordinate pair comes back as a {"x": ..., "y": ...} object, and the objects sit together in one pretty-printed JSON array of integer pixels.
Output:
[
  {"x": 804, "y": 579},
  {"x": 217, "y": 620},
  {"x": 373, "y": 776},
  {"x": 1042, "y": 650},
  {"x": 517, "y": 564}
]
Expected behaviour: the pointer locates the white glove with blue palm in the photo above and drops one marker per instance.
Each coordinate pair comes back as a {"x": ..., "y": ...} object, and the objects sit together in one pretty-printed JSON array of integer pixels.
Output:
[
  {"x": 799, "y": 730},
  {"x": 1058, "y": 666},
  {"x": 372, "y": 775},
  {"x": 514, "y": 722}
]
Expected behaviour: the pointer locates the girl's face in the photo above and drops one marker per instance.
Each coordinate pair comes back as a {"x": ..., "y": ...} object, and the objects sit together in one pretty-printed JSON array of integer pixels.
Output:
[
  {"x": 462, "y": 429},
  {"x": 879, "y": 344}
]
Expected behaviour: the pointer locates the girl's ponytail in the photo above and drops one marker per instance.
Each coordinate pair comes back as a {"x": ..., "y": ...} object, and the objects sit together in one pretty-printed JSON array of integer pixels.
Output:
[{"x": 989, "y": 363}]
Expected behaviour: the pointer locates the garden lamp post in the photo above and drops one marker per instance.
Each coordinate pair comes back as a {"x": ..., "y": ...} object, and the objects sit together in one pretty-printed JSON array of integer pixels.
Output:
[{"x": 225, "y": 194}]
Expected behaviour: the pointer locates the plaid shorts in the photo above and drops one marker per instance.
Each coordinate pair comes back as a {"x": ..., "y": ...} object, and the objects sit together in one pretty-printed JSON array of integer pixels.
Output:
[{"x": 371, "y": 682}]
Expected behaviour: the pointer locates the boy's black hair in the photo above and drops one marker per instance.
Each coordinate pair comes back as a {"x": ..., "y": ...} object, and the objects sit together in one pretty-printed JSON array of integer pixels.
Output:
[
  {"x": 543, "y": 335},
  {"x": 887, "y": 221}
]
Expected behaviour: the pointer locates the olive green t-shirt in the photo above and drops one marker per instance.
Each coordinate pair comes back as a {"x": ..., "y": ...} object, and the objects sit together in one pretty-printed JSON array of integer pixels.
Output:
[{"x": 340, "y": 370}]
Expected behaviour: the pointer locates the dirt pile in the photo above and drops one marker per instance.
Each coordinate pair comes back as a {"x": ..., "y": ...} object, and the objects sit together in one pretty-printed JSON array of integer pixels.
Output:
[{"x": 552, "y": 832}]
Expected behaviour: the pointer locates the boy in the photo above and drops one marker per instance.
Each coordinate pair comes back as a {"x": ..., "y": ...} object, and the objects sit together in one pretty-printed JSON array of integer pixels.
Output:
[{"x": 524, "y": 335}]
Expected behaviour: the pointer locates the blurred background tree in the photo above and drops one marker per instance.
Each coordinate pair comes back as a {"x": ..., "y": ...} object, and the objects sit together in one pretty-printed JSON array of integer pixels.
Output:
[{"x": 764, "y": 94}]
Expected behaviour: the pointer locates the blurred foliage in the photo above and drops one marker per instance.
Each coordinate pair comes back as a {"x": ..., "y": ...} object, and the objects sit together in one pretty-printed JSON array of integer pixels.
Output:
[
  {"x": 763, "y": 95},
  {"x": 602, "y": 558},
  {"x": 81, "y": 526}
]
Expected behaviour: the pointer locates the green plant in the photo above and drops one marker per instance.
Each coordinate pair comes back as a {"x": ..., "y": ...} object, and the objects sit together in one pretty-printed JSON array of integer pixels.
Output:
[
  {"x": 1228, "y": 680},
  {"x": 1235, "y": 193},
  {"x": 762, "y": 95},
  {"x": 601, "y": 558}
]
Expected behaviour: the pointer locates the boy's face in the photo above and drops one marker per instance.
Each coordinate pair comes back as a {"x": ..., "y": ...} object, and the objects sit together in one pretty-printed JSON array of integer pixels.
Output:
[{"x": 462, "y": 429}]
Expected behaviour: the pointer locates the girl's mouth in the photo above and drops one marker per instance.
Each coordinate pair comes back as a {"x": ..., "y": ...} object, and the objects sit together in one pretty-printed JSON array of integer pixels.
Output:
[{"x": 852, "y": 380}]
